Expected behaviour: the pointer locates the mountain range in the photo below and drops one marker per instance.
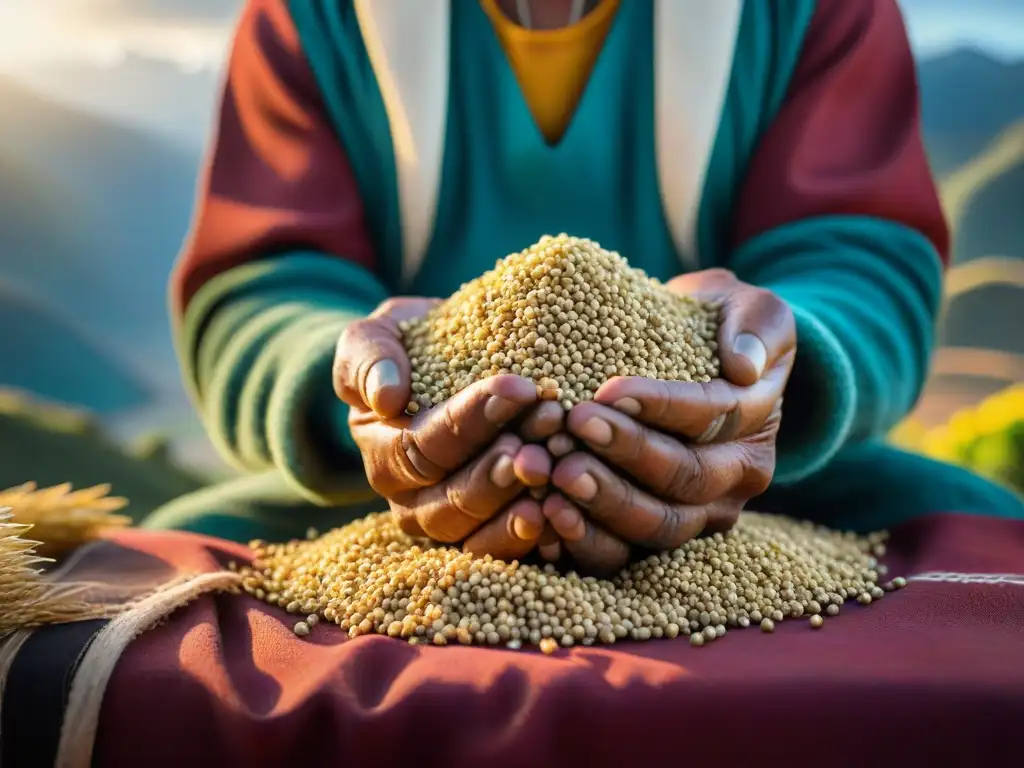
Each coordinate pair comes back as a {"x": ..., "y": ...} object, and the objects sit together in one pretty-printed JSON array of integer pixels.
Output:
[
  {"x": 967, "y": 99},
  {"x": 973, "y": 113},
  {"x": 94, "y": 206},
  {"x": 151, "y": 95}
]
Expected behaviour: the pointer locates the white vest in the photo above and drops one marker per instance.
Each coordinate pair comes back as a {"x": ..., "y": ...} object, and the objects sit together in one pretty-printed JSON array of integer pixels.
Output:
[{"x": 408, "y": 44}]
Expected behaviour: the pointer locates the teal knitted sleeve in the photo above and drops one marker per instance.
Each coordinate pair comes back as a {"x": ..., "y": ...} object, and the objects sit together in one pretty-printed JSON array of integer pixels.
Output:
[
  {"x": 865, "y": 293},
  {"x": 257, "y": 344}
]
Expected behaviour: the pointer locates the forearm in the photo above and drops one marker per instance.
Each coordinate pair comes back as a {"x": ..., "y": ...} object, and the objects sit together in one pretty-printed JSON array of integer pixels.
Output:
[
  {"x": 865, "y": 294},
  {"x": 839, "y": 215},
  {"x": 279, "y": 261},
  {"x": 257, "y": 344}
]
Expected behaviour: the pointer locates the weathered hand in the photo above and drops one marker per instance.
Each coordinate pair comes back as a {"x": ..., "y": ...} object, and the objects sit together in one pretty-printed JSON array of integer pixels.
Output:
[
  {"x": 448, "y": 473},
  {"x": 669, "y": 460}
]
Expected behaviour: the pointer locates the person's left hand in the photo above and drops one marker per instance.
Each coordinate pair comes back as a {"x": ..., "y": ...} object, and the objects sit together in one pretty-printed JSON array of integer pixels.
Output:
[{"x": 670, "y": 460}]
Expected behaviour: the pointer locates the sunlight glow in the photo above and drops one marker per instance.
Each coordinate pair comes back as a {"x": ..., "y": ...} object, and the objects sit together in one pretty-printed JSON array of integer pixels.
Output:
[
  {"x": 195, "y": 35},
  {"x": 34, "y": 33}
]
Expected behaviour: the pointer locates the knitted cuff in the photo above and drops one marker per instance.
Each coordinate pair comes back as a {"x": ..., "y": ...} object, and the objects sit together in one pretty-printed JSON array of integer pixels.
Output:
[
  {"x": 819, "y": 402},
  {"x": 307, "y": 426}
]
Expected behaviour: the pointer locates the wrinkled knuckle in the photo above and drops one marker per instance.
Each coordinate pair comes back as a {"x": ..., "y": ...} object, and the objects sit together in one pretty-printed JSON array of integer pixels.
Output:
[
  {"x": 627, "y": 496},
  {"x": 406, "y": 521},
  {"x": 380, "y": 477},
  {"x": 354, "y": 330},
  {"x": 411, "y": 460},
  {"x": 762, "y": 296},
  {"x": 723, "y": 517},
  {"x": 440, "y": 526},
  {"x": 375, "y": 477},
  {"x": 507, "y": 443},
  {"x": 448, "y": 417},
  {"x": 680, "y": 478},
  {"x": 628, "y": 445},
  {"x": 761, "y": 480},
  {"x": 669, "y": 531},
  {"x": 773, "y": 302},
  {"x": 704, "y": 475},
  {"x": 720, "y": 273},
  {"x": 759, "y": 470},
  {"x": 776, "y": 310},
  {"x": 663, "y": 400},
  {"x": 341, "y": 369},
  {"x": 458, "y": 500},
  {"x": 387, "y": 307},
  {"x": 339, "y": 380}
]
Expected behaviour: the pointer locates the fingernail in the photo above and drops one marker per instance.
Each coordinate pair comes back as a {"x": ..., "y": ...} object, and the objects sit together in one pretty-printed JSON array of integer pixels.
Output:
[
  {"x": 382, "y": 375},
  {"x": 749, "y": 346},
  {"x": 498, "y": 410},
  {"x": 628, "y": 406},
  {"x": 523, "y": 529},
  {"x": 550, "y": 552},
  {"x": 713, "y": 429},
  {"x": 503, "y": 473},
  {"x": 583, "y": 487},
  {"x": 559, "y": 445},
  {"x": 597, "y": 431}
]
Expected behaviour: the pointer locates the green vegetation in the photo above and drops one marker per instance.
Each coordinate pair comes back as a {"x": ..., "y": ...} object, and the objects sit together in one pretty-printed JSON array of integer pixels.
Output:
[
  {"x": 987, "y": 439},
  {"x": 51, "y": 445}
]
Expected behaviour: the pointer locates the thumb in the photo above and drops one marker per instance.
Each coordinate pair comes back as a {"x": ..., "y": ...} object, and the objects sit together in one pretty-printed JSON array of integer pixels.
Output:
[
  {"x": 757, "y": 330},
  {"x": 371, "y": 367}
]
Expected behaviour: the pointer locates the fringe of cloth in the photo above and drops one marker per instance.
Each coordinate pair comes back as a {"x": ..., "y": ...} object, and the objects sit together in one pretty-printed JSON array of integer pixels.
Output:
[{"x": 82, "y": 714}]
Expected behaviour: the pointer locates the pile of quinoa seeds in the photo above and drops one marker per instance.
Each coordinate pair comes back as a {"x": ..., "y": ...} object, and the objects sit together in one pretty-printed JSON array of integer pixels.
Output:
[
  {"x": 569, "y": 315},
  {"x": 371, "y": 578}
]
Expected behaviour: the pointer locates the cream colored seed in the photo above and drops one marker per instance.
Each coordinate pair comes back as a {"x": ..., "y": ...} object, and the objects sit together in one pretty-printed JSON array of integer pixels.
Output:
[
  {"x": 817, "y": 622},
  {"x": 301, "y": 629},
  {"x": 371, "y": 578}
]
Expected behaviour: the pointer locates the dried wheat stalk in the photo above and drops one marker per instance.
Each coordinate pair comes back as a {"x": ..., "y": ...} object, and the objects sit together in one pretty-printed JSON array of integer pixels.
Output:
[
  {"x": 27, "y": 599},
  {"x": 62, "y": 519}
]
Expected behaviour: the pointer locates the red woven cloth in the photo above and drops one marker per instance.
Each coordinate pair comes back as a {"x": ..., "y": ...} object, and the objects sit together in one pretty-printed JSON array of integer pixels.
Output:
[{"x": 932, "y": 674}]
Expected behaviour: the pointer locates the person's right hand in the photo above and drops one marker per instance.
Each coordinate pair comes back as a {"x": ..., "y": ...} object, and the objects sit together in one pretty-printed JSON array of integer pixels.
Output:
[{"x": 451, "y": 473}]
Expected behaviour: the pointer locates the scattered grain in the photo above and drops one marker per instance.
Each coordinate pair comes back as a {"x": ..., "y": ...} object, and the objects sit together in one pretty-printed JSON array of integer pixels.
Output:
[{"x": 370, "y": 578}]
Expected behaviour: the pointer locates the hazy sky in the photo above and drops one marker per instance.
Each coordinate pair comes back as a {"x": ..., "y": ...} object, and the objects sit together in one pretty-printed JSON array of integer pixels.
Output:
[{"x": 194, "y": 33}]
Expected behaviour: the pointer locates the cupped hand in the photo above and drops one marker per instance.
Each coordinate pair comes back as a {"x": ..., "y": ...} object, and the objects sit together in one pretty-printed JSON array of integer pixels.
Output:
[
  {"x": 451, "y": 473},
  {"x": 667, "y": 461}
]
